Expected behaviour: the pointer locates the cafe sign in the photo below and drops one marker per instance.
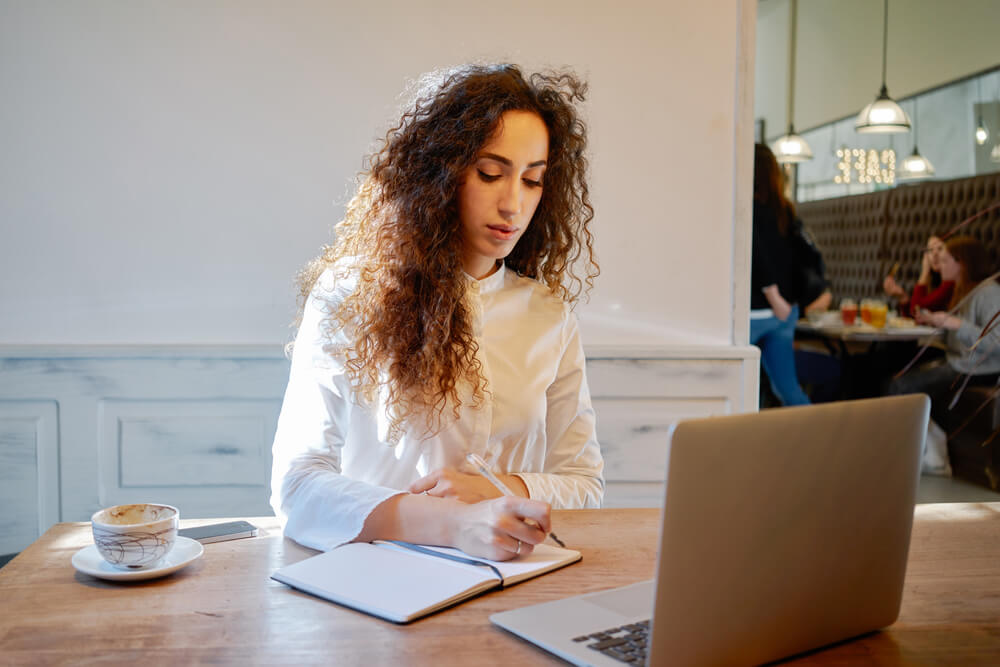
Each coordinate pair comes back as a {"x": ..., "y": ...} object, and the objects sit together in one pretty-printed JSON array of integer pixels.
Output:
[{"x": 865, "y": 165}]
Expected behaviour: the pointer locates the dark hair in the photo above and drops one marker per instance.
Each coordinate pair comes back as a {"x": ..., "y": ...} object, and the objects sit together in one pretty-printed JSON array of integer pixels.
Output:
[
  {"x": 402, "y": 232},
  {"x": 975, "y": 262},
  {"x": 769, "y": 187}
]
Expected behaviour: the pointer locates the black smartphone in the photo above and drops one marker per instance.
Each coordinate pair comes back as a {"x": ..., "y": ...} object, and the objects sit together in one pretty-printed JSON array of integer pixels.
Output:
[{"x": 219, "y": 532}]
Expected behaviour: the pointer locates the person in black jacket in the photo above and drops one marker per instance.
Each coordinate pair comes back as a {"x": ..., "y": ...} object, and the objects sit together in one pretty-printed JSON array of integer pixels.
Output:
[{"x": 777, "y": 277}]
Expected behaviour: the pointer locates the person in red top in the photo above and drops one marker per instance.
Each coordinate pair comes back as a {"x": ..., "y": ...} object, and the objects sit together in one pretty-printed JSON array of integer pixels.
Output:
[{"x": 930, "y": 292}]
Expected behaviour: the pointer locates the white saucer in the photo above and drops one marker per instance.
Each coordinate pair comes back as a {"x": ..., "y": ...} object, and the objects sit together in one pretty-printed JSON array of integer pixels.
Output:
[{"x": 185, "y": 552}]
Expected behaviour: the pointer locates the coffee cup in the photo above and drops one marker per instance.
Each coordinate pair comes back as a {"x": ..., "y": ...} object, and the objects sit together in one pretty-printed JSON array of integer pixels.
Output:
[{"x": 135, "y": 536}]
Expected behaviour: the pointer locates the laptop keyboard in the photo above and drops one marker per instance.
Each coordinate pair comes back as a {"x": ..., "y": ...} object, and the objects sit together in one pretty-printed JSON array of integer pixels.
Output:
[{"x": 626, "y": 643}]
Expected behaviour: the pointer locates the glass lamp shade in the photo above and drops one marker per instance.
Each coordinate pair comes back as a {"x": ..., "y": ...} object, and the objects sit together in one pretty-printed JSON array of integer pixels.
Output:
[
  {"x": 995, "y": 153},
  {"x": 791, "y": 148},
  {"x": 883, "y": 115},
  {"x": 982, "y": 134},
  {"x": 914, "y": 167}
]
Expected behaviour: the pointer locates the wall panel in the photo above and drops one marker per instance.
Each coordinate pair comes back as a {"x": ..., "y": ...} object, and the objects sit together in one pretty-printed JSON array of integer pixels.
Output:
[
  {"x": 193, "y": 426},
  {"x": 637, "y": 400},
  {"x": 29, "y": 473}
]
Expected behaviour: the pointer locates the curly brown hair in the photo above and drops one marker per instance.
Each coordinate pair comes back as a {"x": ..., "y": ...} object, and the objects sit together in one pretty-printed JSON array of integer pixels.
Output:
[{"x": 409, "y": 324}]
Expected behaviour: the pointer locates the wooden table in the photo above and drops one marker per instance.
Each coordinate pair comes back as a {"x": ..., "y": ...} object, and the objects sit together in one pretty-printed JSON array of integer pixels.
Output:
[
  {"x": 868, "y": 357},
  {"x": 861, "y": 333},
  {"x": 224, "y": 608}
]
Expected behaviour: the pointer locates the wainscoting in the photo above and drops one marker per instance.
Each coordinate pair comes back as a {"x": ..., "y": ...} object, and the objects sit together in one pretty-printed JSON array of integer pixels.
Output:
[
  {"x": 86, "y": 427},
  {"x": 639, "y": 393}
]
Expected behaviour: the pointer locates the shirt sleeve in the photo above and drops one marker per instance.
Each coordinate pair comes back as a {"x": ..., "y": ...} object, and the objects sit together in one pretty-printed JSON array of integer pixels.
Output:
[
  {"x": 984, "y": 307},
  {"x": 936, "y": 299},
  {"x": 572, "y": 476},
  {"x": 317, "y": 505}
]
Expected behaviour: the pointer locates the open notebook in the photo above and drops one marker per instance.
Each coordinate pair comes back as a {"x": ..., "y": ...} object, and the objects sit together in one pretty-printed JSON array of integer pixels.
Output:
[{"x": 401, "y": 582}]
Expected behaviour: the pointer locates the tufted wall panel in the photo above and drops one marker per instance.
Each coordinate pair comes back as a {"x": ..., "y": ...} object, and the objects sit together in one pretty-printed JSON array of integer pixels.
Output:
[{"x": 862, "y": 236}]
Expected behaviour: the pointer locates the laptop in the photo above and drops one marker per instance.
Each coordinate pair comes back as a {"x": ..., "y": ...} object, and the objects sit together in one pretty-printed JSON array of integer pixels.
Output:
[{"x": 781, "y": 532}]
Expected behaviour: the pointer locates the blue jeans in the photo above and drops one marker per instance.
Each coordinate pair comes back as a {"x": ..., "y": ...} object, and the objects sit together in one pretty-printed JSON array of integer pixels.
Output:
[{"x": 777, "y": 356}]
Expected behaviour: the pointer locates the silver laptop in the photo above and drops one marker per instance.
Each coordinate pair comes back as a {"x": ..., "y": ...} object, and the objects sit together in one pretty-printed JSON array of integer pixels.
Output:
[{"x": 782, "y": 531}]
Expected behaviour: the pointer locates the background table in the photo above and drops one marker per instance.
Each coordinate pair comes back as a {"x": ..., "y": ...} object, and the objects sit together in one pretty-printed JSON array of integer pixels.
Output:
[
  {"x": 868, "y": 357},
  {"x": 867, "y": 334},
  {"x": 224, "y": 608}
]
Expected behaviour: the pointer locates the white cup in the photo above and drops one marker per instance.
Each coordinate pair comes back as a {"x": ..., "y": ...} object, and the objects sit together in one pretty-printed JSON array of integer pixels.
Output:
[{"x": 135, "y": 536}]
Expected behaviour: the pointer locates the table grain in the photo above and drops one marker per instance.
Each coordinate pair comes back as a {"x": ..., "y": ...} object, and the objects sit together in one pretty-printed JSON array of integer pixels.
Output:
[{"x": 225, "y": 609}]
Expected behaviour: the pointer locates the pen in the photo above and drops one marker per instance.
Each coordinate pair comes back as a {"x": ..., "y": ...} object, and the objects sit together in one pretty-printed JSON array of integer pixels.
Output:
[{"x": 483, "y": 469}]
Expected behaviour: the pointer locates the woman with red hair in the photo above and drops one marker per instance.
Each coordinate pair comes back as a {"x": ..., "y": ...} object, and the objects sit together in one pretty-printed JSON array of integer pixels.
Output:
[{"x": 972, "y": 349}]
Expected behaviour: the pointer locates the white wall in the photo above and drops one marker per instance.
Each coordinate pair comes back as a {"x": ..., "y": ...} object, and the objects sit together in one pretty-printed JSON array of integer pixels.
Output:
[
  {"x": 839, "y": 56},
  {"x": 168, "y": 166}
]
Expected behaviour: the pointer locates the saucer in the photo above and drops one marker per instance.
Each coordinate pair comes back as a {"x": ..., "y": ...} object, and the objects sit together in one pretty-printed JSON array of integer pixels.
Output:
[{"x": 185, "y": 552}]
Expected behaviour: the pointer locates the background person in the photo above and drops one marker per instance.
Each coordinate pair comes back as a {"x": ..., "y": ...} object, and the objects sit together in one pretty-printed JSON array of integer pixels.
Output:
[
  {"x": 930, "y": 291},
  {"x": 775, "y": 278},
  {"x": 819, "y": 372},
  {"x": 976, "y": 299},
  {"x": 440, "y": 322}
]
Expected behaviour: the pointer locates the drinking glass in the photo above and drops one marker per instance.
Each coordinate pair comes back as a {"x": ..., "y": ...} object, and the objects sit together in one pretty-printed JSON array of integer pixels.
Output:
[
  {"x": 879, "y": 312},
  {"x": 848, "y": 311},
  {"x": 866, "y": 311}
]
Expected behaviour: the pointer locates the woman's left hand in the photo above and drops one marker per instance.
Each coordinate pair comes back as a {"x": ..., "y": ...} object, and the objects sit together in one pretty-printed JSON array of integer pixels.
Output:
[
  {"x": 821, "y": 303},
  {"x": 939, "y": 319},
  {"x": 450, "y": 483}
]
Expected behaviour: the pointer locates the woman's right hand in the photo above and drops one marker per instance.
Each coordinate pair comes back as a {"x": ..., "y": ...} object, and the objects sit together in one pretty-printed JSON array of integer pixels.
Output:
[
  {"x": 925, "y": 269},
  {"x": 502, "y": 528},
  {"x": 892, "y": 288},
  {"x": 779, "y": 306}
]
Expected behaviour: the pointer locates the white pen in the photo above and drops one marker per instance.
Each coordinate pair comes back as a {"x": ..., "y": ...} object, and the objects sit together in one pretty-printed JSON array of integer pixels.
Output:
[{"x": 480, "y": 465}]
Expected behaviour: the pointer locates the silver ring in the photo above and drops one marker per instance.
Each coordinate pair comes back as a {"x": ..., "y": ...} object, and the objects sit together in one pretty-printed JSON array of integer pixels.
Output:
[{"x": 518, "y": 552}]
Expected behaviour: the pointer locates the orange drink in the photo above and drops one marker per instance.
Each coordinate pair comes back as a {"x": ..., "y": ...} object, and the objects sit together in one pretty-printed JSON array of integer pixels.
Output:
[
  {"x": 879, "y": 311},
  {"x": 866, "y": 311}
]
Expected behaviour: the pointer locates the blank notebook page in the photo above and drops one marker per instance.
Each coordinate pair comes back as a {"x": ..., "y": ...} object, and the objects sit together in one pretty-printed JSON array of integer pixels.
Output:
[{"x": 391, "y": 582}]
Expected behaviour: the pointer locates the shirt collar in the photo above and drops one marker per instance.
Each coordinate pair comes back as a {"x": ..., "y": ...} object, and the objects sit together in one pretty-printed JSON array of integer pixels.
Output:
[{"x": 490, "y": 283}]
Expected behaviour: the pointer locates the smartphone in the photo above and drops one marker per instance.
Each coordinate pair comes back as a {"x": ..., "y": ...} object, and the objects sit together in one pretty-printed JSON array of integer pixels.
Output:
[{"x": 219, "y": 532}]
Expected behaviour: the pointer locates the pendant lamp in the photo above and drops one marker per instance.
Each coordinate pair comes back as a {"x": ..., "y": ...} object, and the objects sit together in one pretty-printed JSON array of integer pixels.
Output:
[
  {"x": 915, "y": 166},
  {"x": 883, "y": 115},
  {"x": 982, "y": 134},
  {"x": 791, "y": 147},
  {"x": 995, "y": 152}
]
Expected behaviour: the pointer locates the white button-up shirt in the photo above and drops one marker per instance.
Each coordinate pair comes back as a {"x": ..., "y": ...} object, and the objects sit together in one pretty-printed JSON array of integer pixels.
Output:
[{"x": 333, "y": 462}]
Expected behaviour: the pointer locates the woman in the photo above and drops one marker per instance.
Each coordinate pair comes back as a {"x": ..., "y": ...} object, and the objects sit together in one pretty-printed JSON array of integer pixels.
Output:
[
  {"x": 964, "y": 261},
  {"x": 439, "y": 323},
  {"x": 775, "y": 278},
  {"x": 930, "y": 292}
]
